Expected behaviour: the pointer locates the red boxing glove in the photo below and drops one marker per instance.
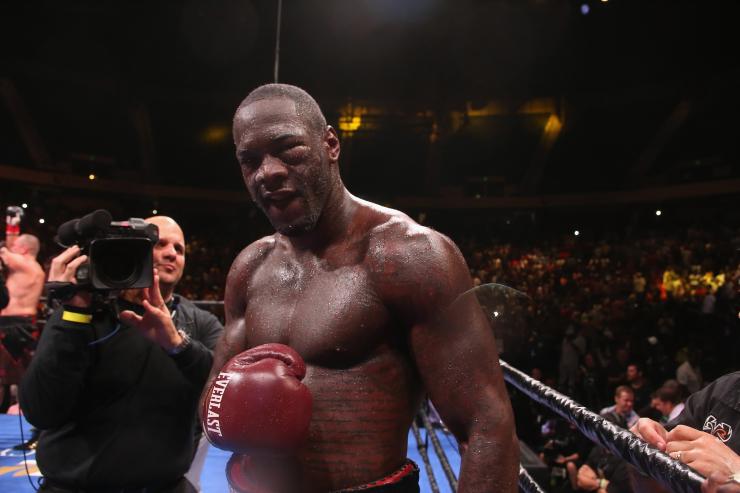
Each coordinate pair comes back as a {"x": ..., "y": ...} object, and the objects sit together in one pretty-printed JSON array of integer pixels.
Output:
[
  {"x": 13, "y": 216},
  {"x": 257, "y": 403}
]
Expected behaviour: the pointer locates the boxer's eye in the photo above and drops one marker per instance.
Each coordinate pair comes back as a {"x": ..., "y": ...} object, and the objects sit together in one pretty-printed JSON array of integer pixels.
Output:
[
  {"x": 248, "y": 159},
  {"x": 293, "y": 154}
]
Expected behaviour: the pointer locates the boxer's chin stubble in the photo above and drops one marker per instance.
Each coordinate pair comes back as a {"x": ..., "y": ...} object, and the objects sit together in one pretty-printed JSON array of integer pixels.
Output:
[{"x": 302, "y": 224}]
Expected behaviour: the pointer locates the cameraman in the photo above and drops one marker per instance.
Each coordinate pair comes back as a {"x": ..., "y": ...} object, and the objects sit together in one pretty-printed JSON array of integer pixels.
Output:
[{"x": 114, "y": 386}]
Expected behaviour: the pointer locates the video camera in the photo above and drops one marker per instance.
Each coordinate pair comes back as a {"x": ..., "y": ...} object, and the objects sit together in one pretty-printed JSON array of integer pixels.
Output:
[{"x": 119, "y": 252}]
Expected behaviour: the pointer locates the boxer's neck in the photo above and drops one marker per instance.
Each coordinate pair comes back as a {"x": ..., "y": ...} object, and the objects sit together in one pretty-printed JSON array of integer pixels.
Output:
[{"x": 335, "y": 220}]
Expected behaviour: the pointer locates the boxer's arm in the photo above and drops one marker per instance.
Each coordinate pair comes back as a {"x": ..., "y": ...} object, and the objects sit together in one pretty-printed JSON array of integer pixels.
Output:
[
  {"x": 233, "y": 339},
  {"x": 13, "y": 261},
  {"x": 455, "y": 352},
  {"x": 4, "y": 295}
]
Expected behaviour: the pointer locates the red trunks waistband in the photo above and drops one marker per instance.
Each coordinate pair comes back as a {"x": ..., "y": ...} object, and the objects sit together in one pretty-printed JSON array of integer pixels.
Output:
[{"x": 408, "y": 468}]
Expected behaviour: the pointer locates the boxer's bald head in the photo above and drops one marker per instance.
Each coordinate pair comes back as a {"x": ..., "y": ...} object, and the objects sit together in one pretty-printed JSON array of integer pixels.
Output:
[
  {"x": 27, "y": 245},
  {"x": 306, "y": 106}
]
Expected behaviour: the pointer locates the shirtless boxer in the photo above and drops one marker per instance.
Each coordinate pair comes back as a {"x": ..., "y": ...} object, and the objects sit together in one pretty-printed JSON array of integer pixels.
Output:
[
  {"x": 358, "y": 291},
  {"x": 24, "y": 276},
  {"x": 24, "y": 279}
]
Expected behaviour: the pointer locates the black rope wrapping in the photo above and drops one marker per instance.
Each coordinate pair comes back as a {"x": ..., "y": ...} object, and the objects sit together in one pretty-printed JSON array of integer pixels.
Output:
[
  {"x": 526, "y": 483},
  {"x": 425, "y": 457},
  {"x": 673, "y": 474},
  {"x": 439, "y": 450}
]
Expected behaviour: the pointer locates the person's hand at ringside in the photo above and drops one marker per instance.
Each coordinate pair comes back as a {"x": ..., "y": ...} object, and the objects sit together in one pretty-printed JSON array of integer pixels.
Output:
[
  {"x": 701, "y": 451},
  {"x": 156, "y": 323},
  {"x": 718, "y": 483},
  {"x": 651, "y": 431}
]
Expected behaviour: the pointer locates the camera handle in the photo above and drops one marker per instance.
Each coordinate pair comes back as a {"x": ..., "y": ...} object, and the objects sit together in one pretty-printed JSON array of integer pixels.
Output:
[{"x": 62, "y": 291}]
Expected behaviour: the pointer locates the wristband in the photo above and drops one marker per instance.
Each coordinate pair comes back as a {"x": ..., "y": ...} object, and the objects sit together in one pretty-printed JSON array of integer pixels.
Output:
[
  {"x": 602, "y": 483},
  {"x": 80, "y": 318},
  {"x": 12, "y": 229},
  {"x": 184, "y": 344}
]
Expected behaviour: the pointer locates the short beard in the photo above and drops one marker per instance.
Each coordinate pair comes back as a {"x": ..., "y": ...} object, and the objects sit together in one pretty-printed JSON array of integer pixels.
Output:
[{"x": 305, "y": 225}]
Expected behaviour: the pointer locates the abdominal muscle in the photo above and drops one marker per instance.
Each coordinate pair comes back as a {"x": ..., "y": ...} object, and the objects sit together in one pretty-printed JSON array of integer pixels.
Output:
[{"x": 360, "y": 422}]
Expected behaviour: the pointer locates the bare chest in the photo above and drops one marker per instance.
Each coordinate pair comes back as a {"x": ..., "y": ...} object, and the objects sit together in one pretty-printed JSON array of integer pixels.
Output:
[{"x": 333, "y": 317}]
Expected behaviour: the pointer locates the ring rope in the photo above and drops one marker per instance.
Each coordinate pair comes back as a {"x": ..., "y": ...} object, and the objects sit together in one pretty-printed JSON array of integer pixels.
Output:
[
  {"x": 675, "y": 475},
  {"x": 425, "y": 457},
  {"x": 439, "y": 450},
  {"x": 527, "y": 483}
]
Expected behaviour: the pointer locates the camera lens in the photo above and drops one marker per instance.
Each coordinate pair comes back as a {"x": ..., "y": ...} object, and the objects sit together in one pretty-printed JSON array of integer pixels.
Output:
[{"x": 118, "y": 263}]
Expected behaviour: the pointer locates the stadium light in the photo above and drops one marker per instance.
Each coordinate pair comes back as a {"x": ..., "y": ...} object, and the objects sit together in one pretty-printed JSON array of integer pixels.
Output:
[
  {"x": 576, "y": 232},
  {"x": 24, "y": 205},
  {"x": 658, "y": 212},
  {"x": 42, "y": 221}
]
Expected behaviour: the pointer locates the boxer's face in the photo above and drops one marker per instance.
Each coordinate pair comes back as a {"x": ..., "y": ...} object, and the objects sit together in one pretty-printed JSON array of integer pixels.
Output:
[{"x": 284, "y": 164}]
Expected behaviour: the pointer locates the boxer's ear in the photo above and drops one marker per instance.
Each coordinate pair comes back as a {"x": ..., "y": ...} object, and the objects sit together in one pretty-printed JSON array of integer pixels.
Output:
[{"x": 331, "y": 140}]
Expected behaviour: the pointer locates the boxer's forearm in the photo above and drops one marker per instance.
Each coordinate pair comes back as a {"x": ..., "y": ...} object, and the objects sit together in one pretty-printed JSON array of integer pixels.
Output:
[
  {"x": 490, "y": 465},
  {"x": 490, "y": 462}
]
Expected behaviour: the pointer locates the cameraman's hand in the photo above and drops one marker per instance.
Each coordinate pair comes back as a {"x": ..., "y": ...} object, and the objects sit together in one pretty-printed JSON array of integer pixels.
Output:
[
  {"x": 63, "y": 268},
  {"x": 156, "y": 324}
]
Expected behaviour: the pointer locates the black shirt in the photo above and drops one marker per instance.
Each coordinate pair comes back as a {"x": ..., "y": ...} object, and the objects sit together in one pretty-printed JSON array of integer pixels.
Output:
[
  {"x": 715, "y": 409},
  {"x": 115, "y": 409}
]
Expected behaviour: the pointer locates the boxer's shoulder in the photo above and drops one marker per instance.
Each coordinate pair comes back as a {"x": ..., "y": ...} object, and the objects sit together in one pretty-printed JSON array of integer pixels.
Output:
[
  {"x": 245, "y": 264},
  {"x": 409, "y": 261},
  {"x": 409, "y": 246},
  {"x": 252, "y": 256}
]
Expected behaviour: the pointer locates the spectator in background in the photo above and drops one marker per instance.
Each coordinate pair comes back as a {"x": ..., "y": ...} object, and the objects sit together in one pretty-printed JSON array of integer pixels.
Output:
[
  {"x": 639, "y": 386},
  {"x": 669, "y": 400},
  {"x": 622, "y": 412},
  {"x": 591, "y": 383},
  {"x": 689, "y": 374},
  {"x": 617, "y": 369},
  {"x": 604, "y": 473},
  {"x": 570, "y": 354}
]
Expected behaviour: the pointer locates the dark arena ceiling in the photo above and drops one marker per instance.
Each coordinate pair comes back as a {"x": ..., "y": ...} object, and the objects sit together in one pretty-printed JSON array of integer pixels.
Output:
[{"x": 442, "y": 99}]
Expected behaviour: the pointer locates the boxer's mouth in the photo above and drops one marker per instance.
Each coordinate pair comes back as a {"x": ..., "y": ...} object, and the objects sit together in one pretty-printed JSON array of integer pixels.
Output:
[{"x": 279, "y": 196}]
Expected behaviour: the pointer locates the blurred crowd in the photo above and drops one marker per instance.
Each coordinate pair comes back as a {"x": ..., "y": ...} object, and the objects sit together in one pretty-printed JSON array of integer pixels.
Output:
[{"x": 627, "y": 328}]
